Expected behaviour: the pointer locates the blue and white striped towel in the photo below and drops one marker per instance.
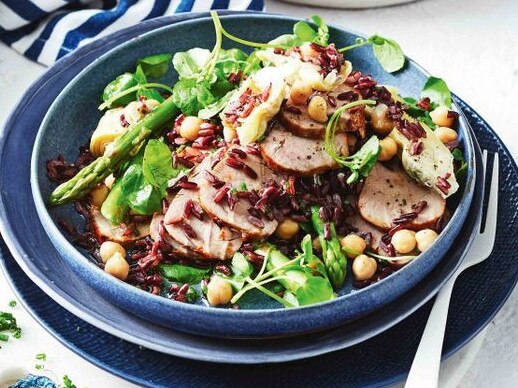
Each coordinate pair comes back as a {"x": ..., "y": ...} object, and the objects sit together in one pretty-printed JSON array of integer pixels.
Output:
[{"x": 46, "y": 30}]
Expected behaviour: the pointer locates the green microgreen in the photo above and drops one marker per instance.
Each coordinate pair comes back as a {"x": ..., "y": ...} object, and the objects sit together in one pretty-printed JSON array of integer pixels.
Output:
[{"x": 387, "y": 51}]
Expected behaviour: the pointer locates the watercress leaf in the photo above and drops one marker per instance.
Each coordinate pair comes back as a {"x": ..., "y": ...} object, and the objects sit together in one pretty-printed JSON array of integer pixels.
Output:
[
  {"x": 323, "y": 31},
  {"x": 183, "y": 273},
  {"x": 363, "y": 161},
  {"x": 461, "y": 164},
  {"x": 290, "y": 298},
  {"x": 233, "y": 54},
  {"x": 241, "y": 269},
  {"x": 146, "y": 200},
  {"x": 191, "y": 96},
  {"x": 304, "y": 31},
  {"x": 157, "y": 165},
  {"x": 137, "y": 193},
  {"x": 314, "y": 290},
  {"x": 216, "y": 107},
  {"x": 151, "y": 94},
  {"x": 140, "y": 76},
  {"x": 287, "y": 40},
  {"x": 388, "y": 53},
  {"x": 190, "y": 63},
  {"x": 119, "y": 84},
  {"x": 419, "y": 113},
  {"x": 437, "y": 91},
  {"x": 155, "y": 66}
]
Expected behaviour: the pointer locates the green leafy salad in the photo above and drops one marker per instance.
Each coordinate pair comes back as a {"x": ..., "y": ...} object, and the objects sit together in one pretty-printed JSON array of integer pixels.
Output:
[{"x": 274, "y": 170}]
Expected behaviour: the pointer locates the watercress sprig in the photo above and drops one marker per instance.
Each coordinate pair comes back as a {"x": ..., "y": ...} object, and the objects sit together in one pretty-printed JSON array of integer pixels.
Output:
[
  {"x": 362, "y": 162},
  {"x": 437, "y": 91},
  {"x": 302, "y": 33},
  {"x": 109, "y": 102},
  {"x": 387, "y": 51}
]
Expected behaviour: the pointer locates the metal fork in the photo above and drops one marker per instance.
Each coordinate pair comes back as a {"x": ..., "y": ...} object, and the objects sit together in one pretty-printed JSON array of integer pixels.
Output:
[{"x": 424, "y": 372}]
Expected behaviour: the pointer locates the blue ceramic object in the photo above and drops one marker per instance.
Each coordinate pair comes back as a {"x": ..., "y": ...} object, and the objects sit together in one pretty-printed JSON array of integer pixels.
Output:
[
  {"x": 44, "y": 265},
  {"x": 380, "y": 361},
  {"x": 74, "y": 114}
]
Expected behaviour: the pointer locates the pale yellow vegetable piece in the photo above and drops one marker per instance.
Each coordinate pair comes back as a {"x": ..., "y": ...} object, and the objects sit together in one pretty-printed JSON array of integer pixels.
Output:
[
  {"x": 110, "y": 248},
  {"x": 353, "y": 245},
  {"x": 287, "y": 229},
  {"x": 219, "y": 292},
  {"x": 434, "y": 162},
  {"x": 404, "y": 241},
  {"x": 364, "y": 267},
  {"x": 425, "y": 238},
  {"x": 117, "y": 266}
]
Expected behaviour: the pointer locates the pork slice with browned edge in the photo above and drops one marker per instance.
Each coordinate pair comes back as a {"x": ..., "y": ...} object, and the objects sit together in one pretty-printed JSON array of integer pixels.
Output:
[
  {"x": 231, "y": 172},
  {"x": 204, "y": 237},
  {"x": 283, "y": 151},
  {"x": 389, "y": 193}
]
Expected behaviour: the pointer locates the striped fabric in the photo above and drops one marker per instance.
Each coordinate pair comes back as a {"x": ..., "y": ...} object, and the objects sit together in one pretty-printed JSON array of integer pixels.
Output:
[{"x": 46, "y": 30}]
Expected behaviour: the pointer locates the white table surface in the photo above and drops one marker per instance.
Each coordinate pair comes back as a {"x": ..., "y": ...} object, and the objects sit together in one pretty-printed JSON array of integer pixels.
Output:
[{"x": 472, "y": 44}]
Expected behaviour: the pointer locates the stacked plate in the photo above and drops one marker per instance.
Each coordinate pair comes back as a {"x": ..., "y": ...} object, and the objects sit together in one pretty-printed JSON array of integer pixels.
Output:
[{"x": 195, "y": 331}]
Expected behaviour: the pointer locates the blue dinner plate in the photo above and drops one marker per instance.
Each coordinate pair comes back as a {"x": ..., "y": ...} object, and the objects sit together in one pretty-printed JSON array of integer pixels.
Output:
[
  {"x": 40, "y": 260},
  {"x": 382, "y": 360},
  {"x": 74, "y": 113}
]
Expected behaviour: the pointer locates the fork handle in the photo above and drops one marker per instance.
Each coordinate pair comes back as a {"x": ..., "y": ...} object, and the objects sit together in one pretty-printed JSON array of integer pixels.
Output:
[{"x": 424, "y": 372}]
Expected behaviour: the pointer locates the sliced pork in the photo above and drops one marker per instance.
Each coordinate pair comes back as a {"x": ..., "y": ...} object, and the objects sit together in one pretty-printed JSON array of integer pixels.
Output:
[
  {"x": 297, "y": 120},
  {"x": 283, "y": 151},
  {"x": 237, "y": 171},
  {"x": 189, "y": 227},
  {"x": 389, "y": 196},
  {"x": 104, "y": 230},
  {"x": 176, "y": 248}
]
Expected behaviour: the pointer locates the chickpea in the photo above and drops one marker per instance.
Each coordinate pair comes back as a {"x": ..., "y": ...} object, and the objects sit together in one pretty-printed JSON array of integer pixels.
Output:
[
  {"x": 445, "y": 134},
  {"x": 300, "y": 93},
  {"x": 353, "y": 245},
  {"x": 219, "y": 292},
  {"x": 425, "y": 239},
  {"x": 364, "y": 267},
  {"x": 317, "y": 109},
  {"x": 404, "y": 241},
  {"x": 117, "y": 266},
  {"x": 229, "y": 134},
  {"x": 110, "y": 248},
  {"x": 190, "y": 127},
  {"x": 98, "y": 195},
  {"x": 381, "y": 123},
  {"x": 440, "y": 117},
  {"x": 287, "y": 229},
  {"x": 388, "y": 149}
]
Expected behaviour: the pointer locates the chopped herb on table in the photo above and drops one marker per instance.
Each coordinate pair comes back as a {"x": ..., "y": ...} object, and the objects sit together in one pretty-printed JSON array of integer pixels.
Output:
[{"x": 8, "y": 325}]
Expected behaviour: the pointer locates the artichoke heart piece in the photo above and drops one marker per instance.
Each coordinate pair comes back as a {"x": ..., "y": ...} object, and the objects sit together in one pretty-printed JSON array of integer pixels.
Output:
[
  {"x": 254, "y": 104},
  {"x": 308, "y": 72},
  {"x": 117, "y": 121},
  {"x": 433, "y": 165}
]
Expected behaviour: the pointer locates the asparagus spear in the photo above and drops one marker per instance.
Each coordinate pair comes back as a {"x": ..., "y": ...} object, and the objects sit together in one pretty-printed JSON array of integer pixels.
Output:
[
  {"x": 335, "y": 260},
  {"x": 122, "y": 149}
]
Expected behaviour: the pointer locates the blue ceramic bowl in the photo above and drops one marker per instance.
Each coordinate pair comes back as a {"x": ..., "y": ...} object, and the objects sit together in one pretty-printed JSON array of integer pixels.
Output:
[{"x": 71, "y": 119}]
